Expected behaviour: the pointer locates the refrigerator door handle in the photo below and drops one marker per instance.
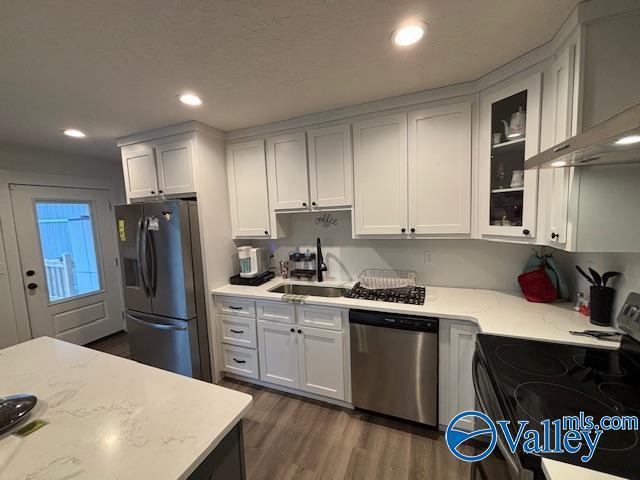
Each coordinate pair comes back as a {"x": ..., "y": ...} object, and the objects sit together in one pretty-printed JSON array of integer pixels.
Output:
[
  {"x": 153, "y": 280},
  {"x": 139, "y": 252},
  {"x": 157, "y": 326}
]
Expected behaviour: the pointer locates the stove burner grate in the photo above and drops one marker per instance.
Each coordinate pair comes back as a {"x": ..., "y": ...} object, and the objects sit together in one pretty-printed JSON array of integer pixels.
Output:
[{"x": 414, "y": 297}]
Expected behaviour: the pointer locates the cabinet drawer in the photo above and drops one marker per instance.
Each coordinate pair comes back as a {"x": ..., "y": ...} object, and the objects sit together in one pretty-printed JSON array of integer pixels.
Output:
[
  {"x": 239, "y": 360},
  {"x": 276, "y": 312},
  {"x": 238, "y": 307},
  {"x": 238, "y": 331},
  {"x": 320, "y": 317}
]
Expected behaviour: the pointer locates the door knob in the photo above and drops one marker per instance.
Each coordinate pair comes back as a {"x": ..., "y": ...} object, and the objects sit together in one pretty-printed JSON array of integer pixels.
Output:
[
  {"x": 32, "y": 286},
  {"x": 30, "y": 273}
]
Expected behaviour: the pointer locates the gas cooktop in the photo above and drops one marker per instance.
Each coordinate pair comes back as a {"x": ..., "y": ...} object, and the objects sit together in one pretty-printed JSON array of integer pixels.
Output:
[
  {"x": 414, "y": 297},
  {"x": 542, "y": 380}
]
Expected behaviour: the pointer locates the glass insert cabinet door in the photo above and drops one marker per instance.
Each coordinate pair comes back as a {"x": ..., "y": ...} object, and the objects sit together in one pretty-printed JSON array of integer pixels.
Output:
[
  {"x": 509, "y": 135},
  {"x": 67, "y": 242}
]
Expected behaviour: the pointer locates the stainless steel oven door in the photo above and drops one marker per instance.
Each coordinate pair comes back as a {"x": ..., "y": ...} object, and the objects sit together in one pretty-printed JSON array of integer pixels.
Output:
[{"x": 502, "y": 463}]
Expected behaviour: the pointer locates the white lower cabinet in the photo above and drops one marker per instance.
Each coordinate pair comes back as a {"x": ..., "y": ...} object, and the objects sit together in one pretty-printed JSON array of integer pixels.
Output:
[
  {"x": 278, "y": 352},
  {"x": 321, "y": 362},
  {"x": 304, "y": 358},
  {"x": 239, "y": 360},
  {"x": 457, "y": 394}
]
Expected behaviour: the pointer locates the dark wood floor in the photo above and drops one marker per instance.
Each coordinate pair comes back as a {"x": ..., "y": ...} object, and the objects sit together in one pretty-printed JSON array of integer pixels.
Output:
[{"x": 291, "y": 437}]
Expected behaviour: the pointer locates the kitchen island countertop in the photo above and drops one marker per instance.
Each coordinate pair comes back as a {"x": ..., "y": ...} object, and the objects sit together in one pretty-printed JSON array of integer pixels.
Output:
[{"x": 109, "y": 417}]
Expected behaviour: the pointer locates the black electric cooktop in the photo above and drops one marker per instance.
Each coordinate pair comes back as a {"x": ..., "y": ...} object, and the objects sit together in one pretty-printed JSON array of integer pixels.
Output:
[{"x": 542, "y": 380}]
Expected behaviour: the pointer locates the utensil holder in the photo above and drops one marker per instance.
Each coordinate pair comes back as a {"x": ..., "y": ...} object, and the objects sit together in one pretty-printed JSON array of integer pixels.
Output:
[{"x": 601, "y": 303}]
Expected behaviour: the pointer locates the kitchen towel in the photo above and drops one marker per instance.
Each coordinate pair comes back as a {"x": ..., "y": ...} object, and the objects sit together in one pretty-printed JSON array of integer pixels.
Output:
[{"x": 292, "y": 298}]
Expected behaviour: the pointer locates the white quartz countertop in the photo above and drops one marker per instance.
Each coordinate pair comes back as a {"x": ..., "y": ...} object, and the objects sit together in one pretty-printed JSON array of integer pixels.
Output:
[
  {"x": 109, "y": 417},
  {"x": 494, "y": 312}
]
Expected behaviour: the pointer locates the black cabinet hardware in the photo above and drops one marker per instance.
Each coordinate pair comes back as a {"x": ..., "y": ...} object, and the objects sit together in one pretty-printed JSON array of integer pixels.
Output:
[
  {"x": 32, "y": 286},
  {"x": 299, "y": 331},
  {"x": 30, "y": 273},
  {"x": 160, "y": 191},
  {"x": 525, "y": 231},
  {"x": 403, "y": 230},
  {"x": 266, "y": 232},
  {"x": 153, "y": 192},
  {"x": 413, "y": 230},
  {"x": 313, "y": 203},
  {"x": 293, "y": 330},
  {"x": 237, "y": 331},
  {"x": 239, "y": 361},
  {"x": 554, "y": 235},
  {"x": 235, "y": 308}
]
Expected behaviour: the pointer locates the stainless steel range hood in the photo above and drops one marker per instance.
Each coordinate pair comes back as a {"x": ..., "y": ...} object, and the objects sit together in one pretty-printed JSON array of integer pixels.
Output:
[{"x": 614, "y": 141}]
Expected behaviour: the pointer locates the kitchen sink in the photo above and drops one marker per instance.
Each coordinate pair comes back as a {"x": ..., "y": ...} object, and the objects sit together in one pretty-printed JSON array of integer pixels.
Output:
[{"x": 315, "y": 290}]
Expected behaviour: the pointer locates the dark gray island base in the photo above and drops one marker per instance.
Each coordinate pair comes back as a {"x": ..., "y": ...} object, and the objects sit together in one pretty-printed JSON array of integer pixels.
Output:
[{"x": 226, "y": 462}]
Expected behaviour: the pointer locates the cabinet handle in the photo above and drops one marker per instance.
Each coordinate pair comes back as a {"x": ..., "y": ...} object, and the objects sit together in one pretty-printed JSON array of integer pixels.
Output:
[
  {"x": 555, "y": 235},
  {"x": 266, "y": 232},
  {"x": 153, "y": 192},
  {"x": 525, "y": 231},
  {"x": 236, "y": 331},
  {"x": 235, "y": 308},
  {"x": 299, "y": 331},
  {"x": 413, "y": 230},
  {"x": 293, "y": 330},
  {"x": 304, "y": 204},
  {"x": 239, "y": 361},
  {"x": 160, "y": 191},
  {"x": 314, "y": 204},
  {"x": 403, "y": 230}
]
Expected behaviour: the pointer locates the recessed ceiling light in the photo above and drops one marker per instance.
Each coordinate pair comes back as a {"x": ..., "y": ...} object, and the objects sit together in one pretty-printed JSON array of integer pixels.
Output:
[
  {"x": 558, "y": 163},
  {"x": 409, "y": 34},
  {"x": 75, "y": 133},
  {"x": 190, "y": 99},
  {"x": 628, "y": 140}
]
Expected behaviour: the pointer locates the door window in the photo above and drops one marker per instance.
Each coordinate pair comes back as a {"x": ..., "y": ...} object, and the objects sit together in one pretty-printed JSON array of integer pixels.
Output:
[{"x": 68, "y": 246}]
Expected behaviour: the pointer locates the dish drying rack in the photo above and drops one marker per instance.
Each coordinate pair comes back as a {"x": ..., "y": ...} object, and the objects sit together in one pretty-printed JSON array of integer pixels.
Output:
[
  {"x": 301, "y": 260},
  {"x": 400, "y": 281}
]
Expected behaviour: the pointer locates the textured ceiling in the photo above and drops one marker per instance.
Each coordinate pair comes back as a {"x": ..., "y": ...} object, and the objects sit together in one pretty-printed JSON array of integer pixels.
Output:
[{"x": 113, "y": 68}]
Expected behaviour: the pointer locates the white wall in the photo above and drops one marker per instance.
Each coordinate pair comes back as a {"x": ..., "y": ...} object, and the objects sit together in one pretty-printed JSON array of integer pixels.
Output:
[
  {"x": 627, "y": 263},
  {"x": 450, "y": 263},
  {"x": 23, "y": 164}
]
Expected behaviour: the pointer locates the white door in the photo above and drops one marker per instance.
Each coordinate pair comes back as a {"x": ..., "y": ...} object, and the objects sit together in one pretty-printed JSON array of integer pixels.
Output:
[
  {"x": 380, "y": 175},
  {"x": 139, "y": 169},
  {"x": 330, "y": 166},
  {"x": 457, "y": 393},
  {"x": 440, "y": 170},
  {"x": 176, "y": 174},
  {"x": 287, "y": 172},
  {"x": 278, "y": 347},
  {"x": 248, "y": 194},
  {"x": 562, "y": 77},
  {"x": 507, "y": 205},
  {"x": 68, "y": 256},
  {"x": 321, "y": 362}
]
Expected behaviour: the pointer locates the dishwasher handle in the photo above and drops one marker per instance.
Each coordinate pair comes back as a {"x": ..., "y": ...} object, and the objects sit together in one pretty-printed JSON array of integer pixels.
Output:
[{"x": 387, "y": 320}]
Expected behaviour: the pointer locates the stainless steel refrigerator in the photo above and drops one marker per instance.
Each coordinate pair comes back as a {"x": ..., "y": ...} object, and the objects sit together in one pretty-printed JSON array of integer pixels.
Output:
[{"x": 163, "y": 282}]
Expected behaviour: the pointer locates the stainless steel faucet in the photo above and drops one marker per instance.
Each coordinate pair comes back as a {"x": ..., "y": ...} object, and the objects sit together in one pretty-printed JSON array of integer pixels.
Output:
[{"x": 320, "y": 265}]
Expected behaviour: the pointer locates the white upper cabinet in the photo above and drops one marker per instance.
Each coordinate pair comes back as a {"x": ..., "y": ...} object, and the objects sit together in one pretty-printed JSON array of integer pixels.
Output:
[
  {"x": 380, "y": 174},
  {"x": 440, "y": 170},
  {"x": 562, "y": 72},
  {"x": 509, "y": 135},
  {"x": 160, "y": 167},
  {"x": 287, "y": 172},
  {"x": 175, "y": 165},
  {"x": 139, "y": 170},
  {"x": 330, "y": 167},
  {"x": 248, "y": 194}
]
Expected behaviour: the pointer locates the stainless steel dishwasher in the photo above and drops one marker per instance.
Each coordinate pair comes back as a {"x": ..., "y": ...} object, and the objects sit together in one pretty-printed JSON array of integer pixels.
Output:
[{"x": 394, "y": 365}]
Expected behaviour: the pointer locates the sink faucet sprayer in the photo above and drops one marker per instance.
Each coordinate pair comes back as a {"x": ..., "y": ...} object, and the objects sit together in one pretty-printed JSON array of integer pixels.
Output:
[{"x": 320, "y": 265}]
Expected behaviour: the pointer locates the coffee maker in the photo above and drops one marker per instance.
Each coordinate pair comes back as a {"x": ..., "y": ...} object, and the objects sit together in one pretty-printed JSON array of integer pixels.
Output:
[{"x": 253, "y": 261}]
